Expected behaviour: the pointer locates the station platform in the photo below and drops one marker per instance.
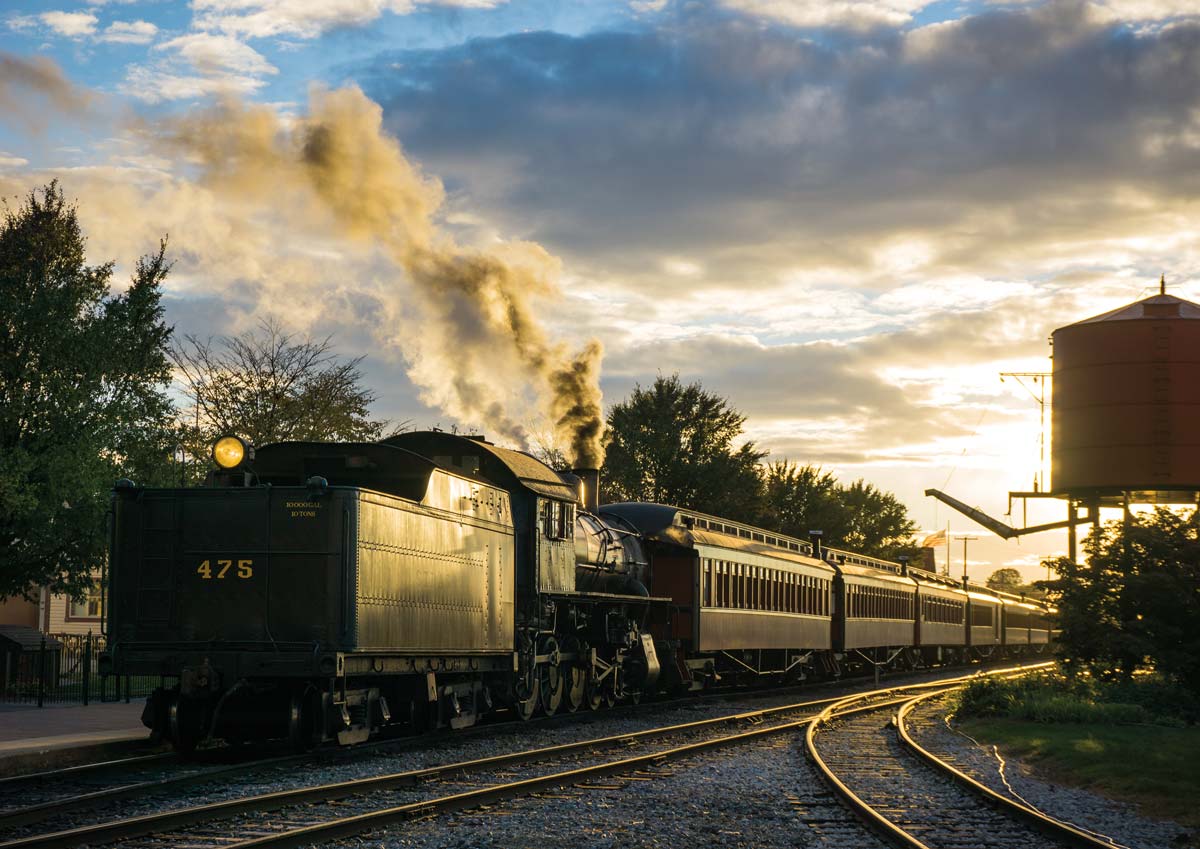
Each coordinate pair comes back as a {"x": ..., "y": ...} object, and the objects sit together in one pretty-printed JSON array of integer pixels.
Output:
[{"x": 33, "y": 738}]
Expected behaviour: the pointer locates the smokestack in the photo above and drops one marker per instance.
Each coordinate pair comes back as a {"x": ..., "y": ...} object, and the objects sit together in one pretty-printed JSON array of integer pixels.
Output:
[{"x": 591, "y": 488}]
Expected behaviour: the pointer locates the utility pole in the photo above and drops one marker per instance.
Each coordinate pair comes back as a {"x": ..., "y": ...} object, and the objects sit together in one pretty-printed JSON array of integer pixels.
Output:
[
  {"x": 1039, "y": 379},
  {"x": 965, "y": 539}
]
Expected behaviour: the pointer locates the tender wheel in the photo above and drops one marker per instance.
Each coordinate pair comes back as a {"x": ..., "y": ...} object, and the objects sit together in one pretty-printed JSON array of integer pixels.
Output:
[
  {"x": 550, "y": 679},
  {"x": 185, "y": 725}
]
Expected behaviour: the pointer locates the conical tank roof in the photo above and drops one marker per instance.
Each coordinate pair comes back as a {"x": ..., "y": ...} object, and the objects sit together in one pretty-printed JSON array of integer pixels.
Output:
[{"x": 1155, "y": 307}]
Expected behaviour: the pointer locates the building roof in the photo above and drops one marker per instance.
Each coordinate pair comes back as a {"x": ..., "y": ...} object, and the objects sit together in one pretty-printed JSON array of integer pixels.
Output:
[
  {"x": 1156, "y": 307},
  {"x": 24, "y": 638}
]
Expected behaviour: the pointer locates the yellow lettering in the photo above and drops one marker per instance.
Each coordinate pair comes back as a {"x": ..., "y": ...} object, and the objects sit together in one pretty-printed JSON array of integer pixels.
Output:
[
  {"x": 205, "y": 570},
  {"x": 245, "y": 568},
  {"x": 224, "y": 564}
]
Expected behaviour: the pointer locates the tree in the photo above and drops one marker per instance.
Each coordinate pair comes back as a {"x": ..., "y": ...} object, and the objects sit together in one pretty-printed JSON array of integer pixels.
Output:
[
  {"x": 674, "y": 444},
  {"x": 799, "y": 499},
  {"x": 268, "y": 386},
  {"x": 877, "y": 524},
  {"x": 1007, "y": 580},
  {"x": 1134, "y": 603},
  {"x": 83, "y": 376}
]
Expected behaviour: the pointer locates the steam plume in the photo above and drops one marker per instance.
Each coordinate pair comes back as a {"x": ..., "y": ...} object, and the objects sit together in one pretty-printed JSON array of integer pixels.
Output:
[
  {"x": 40, "y": 76},
  {"x": 476, "y": 349}
]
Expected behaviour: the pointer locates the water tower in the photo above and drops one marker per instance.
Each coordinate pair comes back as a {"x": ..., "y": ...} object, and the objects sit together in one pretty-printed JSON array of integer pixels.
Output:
[{"x": 1125, "y": 414}]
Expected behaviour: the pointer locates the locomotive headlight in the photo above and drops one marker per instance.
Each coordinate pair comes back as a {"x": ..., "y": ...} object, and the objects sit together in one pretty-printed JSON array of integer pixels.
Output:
[{"x": 229, "y": 452}]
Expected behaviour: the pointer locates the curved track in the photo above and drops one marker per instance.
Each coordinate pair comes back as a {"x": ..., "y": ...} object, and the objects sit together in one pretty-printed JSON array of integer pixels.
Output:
[{"x": 914, "y": 799}]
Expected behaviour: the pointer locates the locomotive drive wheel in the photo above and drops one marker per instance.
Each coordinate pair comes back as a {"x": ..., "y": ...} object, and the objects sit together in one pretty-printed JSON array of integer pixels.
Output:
[
  {"x": 574, "y": 678},
  {"x": 550, "y": 678},
  {"x": 595, "y": 695}
]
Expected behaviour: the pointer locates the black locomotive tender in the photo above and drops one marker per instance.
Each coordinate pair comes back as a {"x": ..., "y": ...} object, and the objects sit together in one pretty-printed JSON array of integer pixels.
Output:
[{"x": 330, "y": 591}]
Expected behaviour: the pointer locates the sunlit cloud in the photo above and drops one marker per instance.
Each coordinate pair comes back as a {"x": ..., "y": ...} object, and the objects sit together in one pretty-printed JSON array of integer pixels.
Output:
[{"x": 70, "y": 24}]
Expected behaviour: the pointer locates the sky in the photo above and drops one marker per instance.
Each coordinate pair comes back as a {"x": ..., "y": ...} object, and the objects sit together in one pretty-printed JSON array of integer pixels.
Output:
[{"x": 846, "y": 217}]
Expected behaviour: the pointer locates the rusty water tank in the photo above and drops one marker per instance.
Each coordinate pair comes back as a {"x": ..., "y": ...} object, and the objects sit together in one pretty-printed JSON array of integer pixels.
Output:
[{"x": 1126, "y": 403}]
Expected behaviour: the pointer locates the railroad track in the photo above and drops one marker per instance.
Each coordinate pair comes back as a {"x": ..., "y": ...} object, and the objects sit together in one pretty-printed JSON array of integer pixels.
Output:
[
  {"x": 33, "y": 798},
  {"x": 912, "y": 798},
  {"x": 330, "y": 811}
]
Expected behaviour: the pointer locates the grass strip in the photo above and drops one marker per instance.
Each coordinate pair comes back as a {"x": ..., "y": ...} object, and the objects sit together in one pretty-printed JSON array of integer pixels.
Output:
[{"x": 1156, "y": 768}]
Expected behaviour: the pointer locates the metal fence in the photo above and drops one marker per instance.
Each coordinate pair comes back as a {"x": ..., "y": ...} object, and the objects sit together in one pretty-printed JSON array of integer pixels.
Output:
[{"x": 63, "y": 669}]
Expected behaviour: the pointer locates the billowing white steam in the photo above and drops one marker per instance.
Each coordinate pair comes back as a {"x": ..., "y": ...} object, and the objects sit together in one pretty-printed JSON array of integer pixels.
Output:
[{"x": 477, "y": 348}]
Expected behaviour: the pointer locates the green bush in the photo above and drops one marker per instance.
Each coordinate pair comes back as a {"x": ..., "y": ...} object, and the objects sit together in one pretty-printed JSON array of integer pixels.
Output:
[{"x": 1055, "y": 697}]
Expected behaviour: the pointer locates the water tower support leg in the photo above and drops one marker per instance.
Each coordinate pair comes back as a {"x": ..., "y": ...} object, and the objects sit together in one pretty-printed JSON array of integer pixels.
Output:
[{"x": 1071, "y": 529}]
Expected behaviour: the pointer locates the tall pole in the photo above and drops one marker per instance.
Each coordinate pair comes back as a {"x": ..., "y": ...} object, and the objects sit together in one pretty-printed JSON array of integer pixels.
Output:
[
  {"x": 1039, "y": 381},
  {"x": 947, "y": 547},
  {"x": 964, "y": 542}
]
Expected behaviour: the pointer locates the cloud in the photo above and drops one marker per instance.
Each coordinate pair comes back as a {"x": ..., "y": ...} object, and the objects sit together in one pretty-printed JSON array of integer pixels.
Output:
[
  {"x": 157, "y": 84},
  {"x": 218, "y": 53},
  {"x": 21, "y": 23},
  {"x": 1007, "y": 143},
  {"x": 129, "y": 32},
  {"x": 307, "y": 18},
  {"x": 9, "y": 160},
  {"x": 70, "y": 24},
  {"x": 855, "y": 14},
  {"x": 196, "y": 66}
]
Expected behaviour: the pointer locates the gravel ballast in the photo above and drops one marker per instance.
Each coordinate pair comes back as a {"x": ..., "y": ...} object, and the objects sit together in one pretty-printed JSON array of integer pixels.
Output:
[{"x": 1116, "y": 820}]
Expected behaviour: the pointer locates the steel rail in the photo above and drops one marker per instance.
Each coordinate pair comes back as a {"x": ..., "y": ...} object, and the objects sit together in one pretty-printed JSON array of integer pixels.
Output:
[
  {"x": 881, "y": 825},
  {"x": 349, "y": 826},
  {"x": 83, "y": 801},
  {"x": 83, "y": 769},
  {"x": 150, "y": 823},
  {"x": 874, "y": 820},
  {"x": 137, "y": 826},
  {"x": 1044, "y": 823}
]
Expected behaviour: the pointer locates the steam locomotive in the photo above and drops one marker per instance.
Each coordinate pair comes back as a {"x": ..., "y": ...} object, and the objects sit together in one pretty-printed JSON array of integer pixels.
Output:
[{"x": 324, "y": 592}]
